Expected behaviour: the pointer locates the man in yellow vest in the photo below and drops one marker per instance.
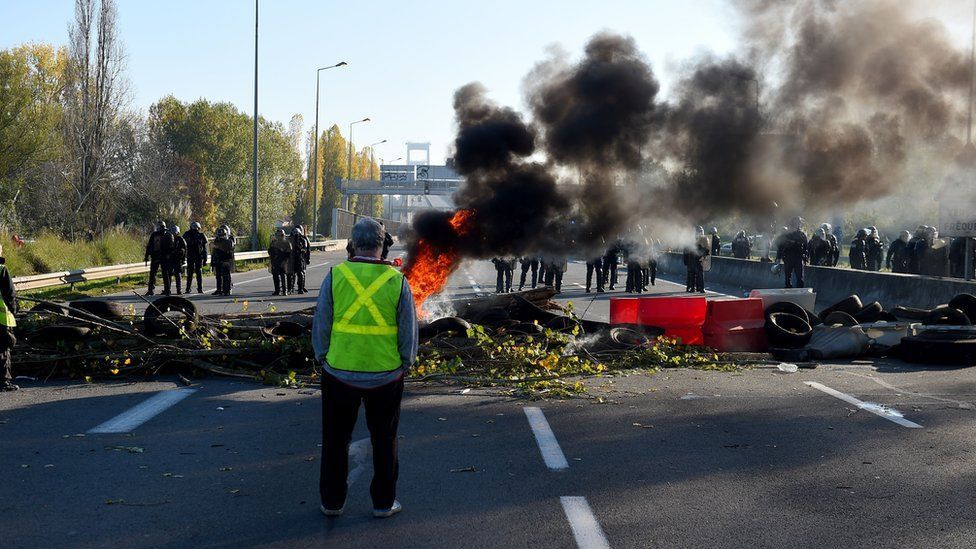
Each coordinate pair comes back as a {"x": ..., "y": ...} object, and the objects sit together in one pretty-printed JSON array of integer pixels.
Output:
[
  {"x": 365, "y": 337},
  {"x": 8, "y": 306}
]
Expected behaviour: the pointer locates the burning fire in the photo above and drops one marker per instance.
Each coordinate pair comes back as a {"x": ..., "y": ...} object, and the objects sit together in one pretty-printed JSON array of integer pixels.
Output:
[{"x": 431, "y": 267}]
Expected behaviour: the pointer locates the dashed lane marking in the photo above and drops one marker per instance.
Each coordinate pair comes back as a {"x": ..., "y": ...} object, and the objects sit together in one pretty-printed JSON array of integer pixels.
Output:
[
  {"x": 586, "y": 529},
  {"x": 143, "y": 412},
  {"x": 552, "y": 454},
  {"x": 877, "y": 409}
]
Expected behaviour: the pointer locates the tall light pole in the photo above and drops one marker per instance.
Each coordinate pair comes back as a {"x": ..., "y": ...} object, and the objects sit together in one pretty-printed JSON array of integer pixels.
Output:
[
  {"x": 254, "y": 190},
  {"x": 371, "y": 162},
  {"x": 345, "y": 199},
  {"x": 315, "y": 155},
  {"x": 371, "y": 159},
  {"x": 389, "y": 197}
]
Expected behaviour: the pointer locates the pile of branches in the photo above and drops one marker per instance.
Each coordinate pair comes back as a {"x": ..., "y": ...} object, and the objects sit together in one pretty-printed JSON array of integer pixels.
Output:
[
  {"x": 522, "y": 344},
  {"x": 66, "y": 341}
]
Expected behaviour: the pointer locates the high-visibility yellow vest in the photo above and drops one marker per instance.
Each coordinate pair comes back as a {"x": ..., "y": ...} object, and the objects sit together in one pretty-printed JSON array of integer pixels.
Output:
[
  {"x": 6, "y": 315},
  {"x": 365, "y": 297}
]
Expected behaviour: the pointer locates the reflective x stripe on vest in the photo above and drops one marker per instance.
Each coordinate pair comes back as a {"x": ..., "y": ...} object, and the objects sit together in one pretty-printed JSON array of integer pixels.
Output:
[
  {"x": 364, "y": 298},
  {"x": 6, "y": 315}
]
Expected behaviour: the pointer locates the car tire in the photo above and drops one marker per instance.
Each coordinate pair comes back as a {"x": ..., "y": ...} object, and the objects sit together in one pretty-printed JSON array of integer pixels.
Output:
[
  {"x": 945, "y": 315},
  {"x": 787, "y": 307},
  {"x": 787, "y": 330},
  {"x": 869, "y": 313},
  {"x": 965, "y": 303},
  {"x": 156, "y": 324},
  {"x": 911, "y": 313},
  {"x": 850, "y": 305},
  {"x": 106, "y": 310},
  {"x": 840, "y": 318},
  {"x": 943, "y": 350},
  {"x": 446, "y": 325},
  {"x": 814, "y": 319}
]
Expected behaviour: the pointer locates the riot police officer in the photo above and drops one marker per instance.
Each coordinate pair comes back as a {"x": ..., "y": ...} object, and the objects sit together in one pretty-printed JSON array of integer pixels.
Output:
[
  {"x": 716, "y": 242},
  {"x": 301, "y": 255},
  {"x": 858, "y": 253},
  {"x": 610, "y": 265},
  {"x": 196, "y": 256},
  {"x": 527, "y": 264},
  {"x": 793, "y": 251},
  {"x": 820, "y": 252},
  {"x": 174, "y": 261},
  {"x": 594, "y": 264},
  {"x": 280, "y": 262},
  {"x": 899, "y": 254},
  {"x": 156, "y": 250},
  {"x": 741, "y": 248},
  {"x": 222, "y": 260},
  {"x": 875, "y": 250},
  {"x": 831, "y": 239}
]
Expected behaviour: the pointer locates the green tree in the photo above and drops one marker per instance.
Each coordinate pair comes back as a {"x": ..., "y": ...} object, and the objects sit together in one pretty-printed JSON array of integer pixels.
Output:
[{"x": 32, "y": 79}]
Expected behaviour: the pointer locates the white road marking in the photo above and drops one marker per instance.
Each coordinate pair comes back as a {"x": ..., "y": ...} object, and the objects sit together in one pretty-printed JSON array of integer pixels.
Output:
[
  {"x": 585, "y": 527},
  {"x": 143, "y": 412},
  {"x": 269, "y": 276},
  {"x": 358, "y": 453},
  {"x": 552, "y": 454},
  {"x": 474, "y": 284},
  {"x": 877, "y": 409},
  {"x": 962, "y": 405}
]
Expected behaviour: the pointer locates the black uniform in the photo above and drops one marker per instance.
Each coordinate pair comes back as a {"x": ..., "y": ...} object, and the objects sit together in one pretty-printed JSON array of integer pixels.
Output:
[
  {"x": 527, "y": 264},
  {"x": 716, "y": 244},
  {"x": 858, "y": 254},
  {"x": 821, "y": 255},
  {"x": 196, "y": 258},
  {"x": 696, "y": 273},
  {"x": 741, "y": 247},
  {"x": 301, "y": 255},
  {"x": 505, "y": 269},
  {"x": 874, "y": 254},
  {"x": 279, "y": 263},
  {"x": 387, "y": 242},
  {"x": 7, "y": 339},
  {"x": 610, "y": 266},
  {"x": 174, "y": 264},
  {"x": 793, "y": 251},
  {"x": 834, "y": 253},
  {"x": 222, "y": 262},
  {"x": 160, "y": 242},
  {"x": 594, "y": 265},
  {"x": 898, "y": 256}
]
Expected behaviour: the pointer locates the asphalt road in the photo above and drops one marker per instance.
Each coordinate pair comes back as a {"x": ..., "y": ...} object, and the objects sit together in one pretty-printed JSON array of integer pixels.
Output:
[{"x": 862, "y": 454}]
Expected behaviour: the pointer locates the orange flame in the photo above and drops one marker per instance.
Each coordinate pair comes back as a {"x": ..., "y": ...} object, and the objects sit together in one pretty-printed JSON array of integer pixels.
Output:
[{"x": 431, "y": 267}]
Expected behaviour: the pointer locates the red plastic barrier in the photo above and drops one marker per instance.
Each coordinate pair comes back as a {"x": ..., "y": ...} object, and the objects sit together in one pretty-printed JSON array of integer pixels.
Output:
[
  {"x": 623, "y": 310},
  {"x": 681, "y": 317},
  {"x": 735, "y": 325}
]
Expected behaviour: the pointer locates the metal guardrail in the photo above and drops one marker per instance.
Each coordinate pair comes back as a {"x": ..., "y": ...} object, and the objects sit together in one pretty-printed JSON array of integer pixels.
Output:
[{"x": 47, "y": 280}]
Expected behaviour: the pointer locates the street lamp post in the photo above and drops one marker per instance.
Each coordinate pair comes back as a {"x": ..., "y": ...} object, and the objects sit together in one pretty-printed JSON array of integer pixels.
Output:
[
  {"x": 345, "y": 198},
  {"x": 254, "y": 174},
  {"x": 315, "y": 155},
  {"x": 389, "y": 197},
  {"x": 371, "y": 162}
]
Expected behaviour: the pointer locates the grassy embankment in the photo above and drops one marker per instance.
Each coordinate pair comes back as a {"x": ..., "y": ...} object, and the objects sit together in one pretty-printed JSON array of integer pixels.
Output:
[{"x": 49, "y": 253}]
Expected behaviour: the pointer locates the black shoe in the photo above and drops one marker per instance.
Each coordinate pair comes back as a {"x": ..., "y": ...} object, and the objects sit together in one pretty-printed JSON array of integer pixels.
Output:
[
  {"x": 199, "y": 290},
  {"x": 8, "y": 386},
  {"x": 599, "y": 290},
  {"x": 217, "y": 292},
  {"x": 276, "y": 292},
  {"x": 164, "y": 292},
  {"x": 149, "y": 293},
  {"x": 587, "y": 290}
]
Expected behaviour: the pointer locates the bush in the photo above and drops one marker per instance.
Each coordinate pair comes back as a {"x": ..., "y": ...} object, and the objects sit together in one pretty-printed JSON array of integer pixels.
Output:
[{"x": 49, "y": 253}]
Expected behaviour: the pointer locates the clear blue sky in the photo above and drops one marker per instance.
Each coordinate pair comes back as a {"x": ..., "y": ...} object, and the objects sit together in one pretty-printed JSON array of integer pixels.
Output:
[{"x": 405, "y": 58}]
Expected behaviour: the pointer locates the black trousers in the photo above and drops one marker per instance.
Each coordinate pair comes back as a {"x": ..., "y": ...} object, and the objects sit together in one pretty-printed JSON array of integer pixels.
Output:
[
  {"x": 194, "y": 267},
  {"x": 554, "y": 279},
  {"x": 172, "y": 271},
  {"x": 610, "y": 272},
  {"x": 526, "y": 265},
  {"x": 696, "y": 277},
  {"x": 281, "y": 281},
  {"x": 340, "y": 407},
  {"x": 596, "y": 266},
  {"x": 635, "y": 277},
  {"x": 503, "y": 282},
  {"x": 224, "y": 284},
  {"x": 155, "y": 266},
  {"x": 651, "y": 271},
  {"x": 789, "y": 268},
  {"x": 6, "y": 367}
]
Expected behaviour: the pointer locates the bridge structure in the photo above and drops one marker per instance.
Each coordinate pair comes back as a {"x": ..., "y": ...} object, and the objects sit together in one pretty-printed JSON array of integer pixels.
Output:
[{"x": 408, "y": 188}]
